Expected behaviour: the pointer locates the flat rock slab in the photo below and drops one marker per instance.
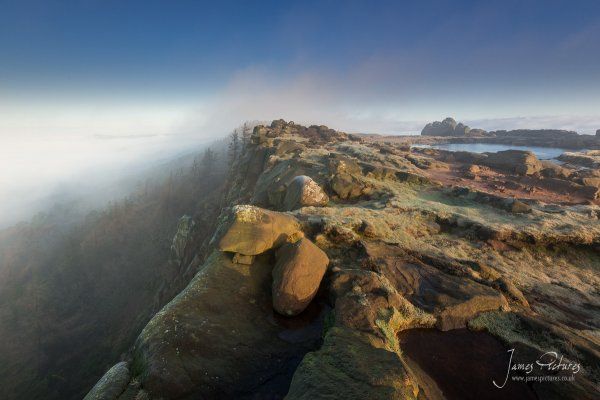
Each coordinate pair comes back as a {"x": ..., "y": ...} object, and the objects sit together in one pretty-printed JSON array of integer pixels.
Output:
[
  {"x": 253, "y": 230},
  {"x": 349, "y": 366},
  {"x": 453, "y": 300}
]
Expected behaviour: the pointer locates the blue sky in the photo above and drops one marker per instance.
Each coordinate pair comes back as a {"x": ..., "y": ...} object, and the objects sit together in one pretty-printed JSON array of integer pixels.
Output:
[
  {"x": 161, "y": 76},
  {"x": 396, "y": 60}
]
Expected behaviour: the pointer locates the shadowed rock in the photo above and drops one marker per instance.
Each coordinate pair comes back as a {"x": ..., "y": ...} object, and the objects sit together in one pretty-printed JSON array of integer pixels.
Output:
[
  {"x": 112, "y": 384},
  {"x": 218, "y": 338}
]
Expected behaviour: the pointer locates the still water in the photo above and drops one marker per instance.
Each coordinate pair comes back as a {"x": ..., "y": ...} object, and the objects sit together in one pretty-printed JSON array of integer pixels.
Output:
[{"x": 543, "y": 153}]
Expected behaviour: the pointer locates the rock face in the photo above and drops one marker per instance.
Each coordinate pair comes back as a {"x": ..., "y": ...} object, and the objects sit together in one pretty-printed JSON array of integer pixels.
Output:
[
  {"x": 513, "y": 161},
  {"x": 302, "y": 192},
  {"x": 217, "y": 338},
  {"x": 112, "y": 384},
  {"x": 253, "y": 230},
  {"x": 449, "y": 127},
  {"x": 184, "y": 229},
  {"x": 297, "y": 275},
  {"x": 348, "y": 366}
]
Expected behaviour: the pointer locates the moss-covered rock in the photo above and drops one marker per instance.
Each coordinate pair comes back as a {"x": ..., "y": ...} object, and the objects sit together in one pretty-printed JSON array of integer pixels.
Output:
[
  {"x": 351, "y": 366},
  {"x": 112, "y": 384}
]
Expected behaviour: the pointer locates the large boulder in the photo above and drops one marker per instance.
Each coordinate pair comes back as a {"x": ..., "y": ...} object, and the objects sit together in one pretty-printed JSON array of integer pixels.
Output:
[
  {"x": 219, "y": 339},
  {"x": 253, "y": 230},
  {"x": 297, "y": 275},
  {"x": 302, "y": 192},
  {"x": 514, "y": 162},
  {"x": 112, "y": 384}
]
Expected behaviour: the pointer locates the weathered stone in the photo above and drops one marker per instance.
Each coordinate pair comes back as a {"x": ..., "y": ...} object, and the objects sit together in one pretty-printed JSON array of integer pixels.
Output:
[
  {"x": 453, "y": 300},
  {"x": 242, "y": 259},
  {"x": 518, "y": 207},
  {"x": 184, "y": 229},
  {"x": 347, "y": 186},
  {"x": 297, "y": 275},
  {"x": 112, "y": 384},
  {"x": 217, "y": 338},
  {"x": 437, "y": 128},
  {"x": 303, "y": 192},
  {"x": 254, "y": 230},
  {"x": 350, "y": 365},
  {"x": 340, "y": 164},
  {"x": 513, "y": 161}
]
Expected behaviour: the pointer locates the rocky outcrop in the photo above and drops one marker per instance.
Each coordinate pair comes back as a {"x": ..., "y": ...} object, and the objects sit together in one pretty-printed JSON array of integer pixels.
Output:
[
  {"x": 218, "y": 339},
  {"x": 112, "y": 384},
  {"x": 310, "y": 303},
  {"x": 437, "y": 128},
  {"x": 253, "y": 230},
  {"x": 449, "y": 127},
  {"x": 350, "y": 366},
  {"x": 513, "y": 162},
  {"x": 302, "y": 192},
  {"x": 297, "y": 275},
  {"x": 180, "y": 240}
]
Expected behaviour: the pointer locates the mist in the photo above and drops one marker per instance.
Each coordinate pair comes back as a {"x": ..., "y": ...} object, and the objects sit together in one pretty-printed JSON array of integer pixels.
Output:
[{"x": 79, "y": 148}]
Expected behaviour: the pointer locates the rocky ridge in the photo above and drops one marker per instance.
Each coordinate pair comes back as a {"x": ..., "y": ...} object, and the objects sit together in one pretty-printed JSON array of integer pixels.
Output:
[{"x": 330, "y": 246}]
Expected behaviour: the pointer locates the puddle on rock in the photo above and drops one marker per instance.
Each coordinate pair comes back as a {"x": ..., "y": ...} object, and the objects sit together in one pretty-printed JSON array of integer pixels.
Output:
[{"x": 463, "y": 363}]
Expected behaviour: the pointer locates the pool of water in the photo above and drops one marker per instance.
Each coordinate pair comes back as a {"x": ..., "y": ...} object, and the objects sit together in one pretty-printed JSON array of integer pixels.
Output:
[
  {"x": 463, "y": 363},
  {"x": 543, "y": 153}
]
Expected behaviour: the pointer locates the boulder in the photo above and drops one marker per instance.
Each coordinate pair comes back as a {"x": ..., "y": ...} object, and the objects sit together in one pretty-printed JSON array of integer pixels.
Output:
[
  {"x": 339, "y": 164},
  {"x": 437, "y": 128},
  {"x": 553, "y": 170},
  {"x": 218, "y": 339},
  {"x": 112, "y": 384},
  {"x": 513, "y": 161},
  {"x": 347, "y": 186},
  {"x": 461, "y": 129},
  {"x": 302, "y": 192},
  {"x": 253, "y": 230},
  {"x": 297, "y": 275}
]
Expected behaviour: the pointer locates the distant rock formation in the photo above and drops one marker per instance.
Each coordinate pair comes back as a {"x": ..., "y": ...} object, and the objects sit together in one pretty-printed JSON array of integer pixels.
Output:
[
  {"x": 597, "y": 132},
  {"x": 449, "y": 127}
]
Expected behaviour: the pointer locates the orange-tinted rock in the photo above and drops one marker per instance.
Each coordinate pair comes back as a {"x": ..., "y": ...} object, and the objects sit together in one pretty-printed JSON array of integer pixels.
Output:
[{"x": 297, "y": 275}]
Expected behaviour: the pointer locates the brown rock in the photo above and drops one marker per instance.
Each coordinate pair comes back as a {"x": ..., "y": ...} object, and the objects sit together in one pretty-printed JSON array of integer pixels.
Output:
[
  {"x": 297, "y": 275},
  {"x": 514, "y": 162},
  {"x": 303, "y": 191},
  {"x": 254, "y": 230}
]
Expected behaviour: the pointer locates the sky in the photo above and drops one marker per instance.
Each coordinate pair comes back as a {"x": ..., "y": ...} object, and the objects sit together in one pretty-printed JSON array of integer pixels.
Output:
[{"x": 88, "y": 83}]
